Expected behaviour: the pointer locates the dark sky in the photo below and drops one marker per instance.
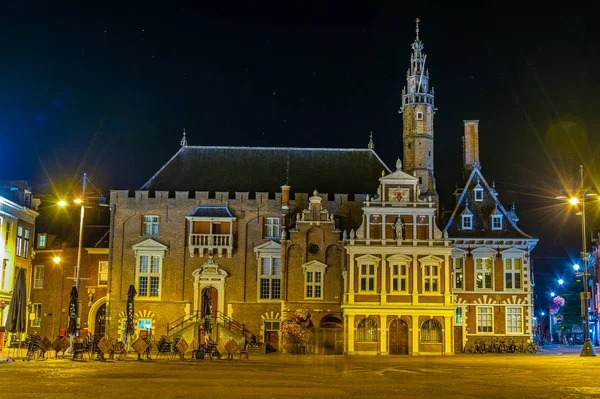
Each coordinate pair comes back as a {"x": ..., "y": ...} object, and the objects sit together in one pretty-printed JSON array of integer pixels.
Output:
[{"x": 106, "y": 88}]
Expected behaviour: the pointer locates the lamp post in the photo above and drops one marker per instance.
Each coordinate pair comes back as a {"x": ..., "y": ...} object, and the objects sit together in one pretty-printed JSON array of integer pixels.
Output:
[
  {"x": 588, "y": 348},
  {"x": 57, "y": 263}
]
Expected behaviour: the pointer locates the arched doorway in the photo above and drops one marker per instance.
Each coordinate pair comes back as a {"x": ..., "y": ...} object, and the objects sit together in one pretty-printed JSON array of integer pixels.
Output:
[
  {"x": 398, "y": 337},
  {"x": 100, "y": 320},
  {"x": 332, "y": 333},
  {"x": 210, "y": 302}
]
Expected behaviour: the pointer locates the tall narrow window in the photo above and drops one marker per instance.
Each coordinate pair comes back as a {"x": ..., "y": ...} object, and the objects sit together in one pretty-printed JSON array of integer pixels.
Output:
[
  {"x": 485, "y": 321},
  {"x": 314, "y": 284},
  {"x": 39, "y": 277},
  {"x": 467, "y": 222},
  {"x": 367, "y": 278},
  {"x": 514, "y": 320},
  {"x": 26, "y": 244},
  {"x": 483, "y": 273},
  {"x": 270, "y": 278},
  {"x": 272, "y": 227},
  {"x": 8, "y": 230},
  {"x": 102, "y": 273},
  {"x": 42, "y": 241},
  {"x": 36, "y": 309},
  {"x": 497, "y": 222},
  {"x": 431, "y": 278},
  {"x": 19, "y": 248},
  {"x": 150, "y": 225},
  {"x": 149, "y": 276},
  {"x": 478, "y": 191},
  {"x": 3, "y": 274},
  {"x": 512, "y": 273},
  {"x": 400, "y": 278},
  {"x": 458, "y": 273}
]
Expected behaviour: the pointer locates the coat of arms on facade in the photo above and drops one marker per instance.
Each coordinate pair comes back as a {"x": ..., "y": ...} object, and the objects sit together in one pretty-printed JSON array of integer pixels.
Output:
[{"x": 399, "y": 194}]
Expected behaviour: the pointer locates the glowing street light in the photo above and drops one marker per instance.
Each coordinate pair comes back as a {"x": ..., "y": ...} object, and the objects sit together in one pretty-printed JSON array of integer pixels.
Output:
[
  {"x": 62, "y": 203},
  {"x": 573, "y": 200},
  {"x": 57, "y": 260},
  {"x": 561, "y": 281},
  {"x": 576, "y": 267},
  {"x": 552, "y": 294},
  {"x": 543, "y": 314}
]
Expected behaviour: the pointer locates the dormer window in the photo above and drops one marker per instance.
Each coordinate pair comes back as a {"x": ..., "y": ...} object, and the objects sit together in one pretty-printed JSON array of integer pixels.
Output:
[
  {"x": 419, "y": 116},
  {"x": 467, "y": 222},
  {"x": 497, "y": 222},
  {"x": 478, "y": 192}
]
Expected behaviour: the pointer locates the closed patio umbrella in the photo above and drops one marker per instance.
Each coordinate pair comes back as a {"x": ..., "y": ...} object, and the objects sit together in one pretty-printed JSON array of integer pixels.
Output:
[
  {"x": 73, "y": 308},
  {"x": 17, "y": 313},
  {"x": 129, "y": 326}
]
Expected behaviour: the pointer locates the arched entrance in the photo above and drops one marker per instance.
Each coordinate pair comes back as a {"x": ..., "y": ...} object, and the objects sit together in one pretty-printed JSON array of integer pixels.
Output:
[
  {"x": 332, "y": 333},
  {"x": 210, "y": 301},
  {"x": 100, "y": 320},
  {"x": 398, "y": 337}
]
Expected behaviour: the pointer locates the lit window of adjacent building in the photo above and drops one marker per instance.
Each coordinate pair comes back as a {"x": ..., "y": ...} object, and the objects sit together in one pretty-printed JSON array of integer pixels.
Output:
[
  {"x": 26, "y": 244},
  {"x": 458, "y": 272},
  {"x": 512, "y": 273},
  {"x": 514, "y": 320},
  {"x": 485, "y": 319},
  {"x": 314, "y": 284},
  {"x": 497, "y": 222},
  {"x": 431, "y": 332},
  {"x": 42, "y": 241},
  {"x": 149, "y": 276},
  {"x": 145, "y": 324},
  {"x": 19, "y": 248},
  {"x": 400, "y": 278},
  {"x": 366, "y": 330},
  {"x": 366, "y": 278},
  {"x": 150, "y": 225},
  {"x": 38, "y": 277},
  {"x": 272, "y": 228},
  {"x": 431, "y": 278},
  {"x": 459, "y": 315},
  {"x": 483, "y": 273},
  {"x": 102, "y": 273},
  {"x": 270, "y": 277},
  {"x": 36, "y": 320},
  {"x": 467, "y": 222}
]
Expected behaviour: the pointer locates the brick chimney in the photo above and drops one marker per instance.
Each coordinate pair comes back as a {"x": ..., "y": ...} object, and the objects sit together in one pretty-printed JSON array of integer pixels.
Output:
[{"x": 470, "y": 146}]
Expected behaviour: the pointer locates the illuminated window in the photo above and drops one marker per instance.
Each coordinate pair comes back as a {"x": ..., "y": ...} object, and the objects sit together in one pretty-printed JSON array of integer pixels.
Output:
[
  {"x": 145, "y": 324},
  {"x": 19, "y": 249},
  {"x": 150, "y": 225},
  {"x": 459, "y": 315},
  {"x": 272, "y": 228},
  {"x": 102, "y": 273},
  {"x": 431, "y": 278},
  {"x": 514, "y": 320},
  {"x": 36, "y": 309},
  {"x": 512, "y": 273},
  {"x": 431, "y": 332},
  {"x": 38, "y": 277},
  {"x": 366, "y": 278},
  {"x": 458, "y": 273},
  {"x": 149, "y": 276},
  {"x": 483, "y": 273},
  {"x": 485, "y": 319},
  {"x": 366, "y": 331},
  {"x": 42, "y": 241},
  {"x": 270, "y": 277},
  {"x": 26, "y": 244},
  {"x": 400, "y": 278}
]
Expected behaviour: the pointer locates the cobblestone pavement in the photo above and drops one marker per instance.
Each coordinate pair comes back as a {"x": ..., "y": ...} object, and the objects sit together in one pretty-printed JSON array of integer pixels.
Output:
[{"x": 553, "y": 374}]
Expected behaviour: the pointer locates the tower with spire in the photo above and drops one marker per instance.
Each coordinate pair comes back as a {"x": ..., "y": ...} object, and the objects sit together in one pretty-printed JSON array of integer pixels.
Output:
[{"x": 417, "y": 112}]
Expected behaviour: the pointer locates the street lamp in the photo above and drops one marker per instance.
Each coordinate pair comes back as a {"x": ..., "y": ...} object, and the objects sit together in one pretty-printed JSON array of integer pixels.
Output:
[
  {"x": 588, "y": 349},
  {"x": 576, "y": 267},
  {"x": 561, "y": 281},
  {"x": 57, "y": 263},
  {"x": 552, "y": 294}
]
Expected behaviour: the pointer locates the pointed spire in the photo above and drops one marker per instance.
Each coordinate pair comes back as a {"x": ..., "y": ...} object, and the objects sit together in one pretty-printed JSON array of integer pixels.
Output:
[
  {"x": 371, "y": 145},
  {"x": 398, "y": 164},
  {"x": 287, "y": 170},
  {"x": 183, "y": 141},
  {"x": 417, "y": 21}
]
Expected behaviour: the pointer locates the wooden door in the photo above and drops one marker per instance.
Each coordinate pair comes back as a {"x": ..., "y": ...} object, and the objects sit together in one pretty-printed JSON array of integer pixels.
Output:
[
  {"x": 398, "y": 338},
  {"x": 458, "y": 346},
  {"x": 100, "y": 322},
  {"x": 214, "y": 301},
  {"x": 272, "y": 341}
]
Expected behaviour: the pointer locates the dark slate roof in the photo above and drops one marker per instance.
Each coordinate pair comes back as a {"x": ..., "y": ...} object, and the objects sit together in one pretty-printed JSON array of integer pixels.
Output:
[
  {"x": 266, "y": 169},
  {"x": 212, "y": 212},
  {"x": 482, "y": 213}
]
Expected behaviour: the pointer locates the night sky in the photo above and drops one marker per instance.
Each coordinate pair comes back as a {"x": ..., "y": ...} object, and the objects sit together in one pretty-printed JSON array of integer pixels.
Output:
[{"x": 107, "y": 88}]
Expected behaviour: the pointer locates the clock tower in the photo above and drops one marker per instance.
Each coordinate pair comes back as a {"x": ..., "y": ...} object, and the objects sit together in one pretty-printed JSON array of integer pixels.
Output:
[{"x": 417, "y": 116}]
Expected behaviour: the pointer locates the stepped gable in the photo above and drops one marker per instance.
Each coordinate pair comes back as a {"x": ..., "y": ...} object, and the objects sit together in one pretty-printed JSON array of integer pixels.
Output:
[
  {"x": 482, "y": 212},
  {"x": 266, "y": 169}
]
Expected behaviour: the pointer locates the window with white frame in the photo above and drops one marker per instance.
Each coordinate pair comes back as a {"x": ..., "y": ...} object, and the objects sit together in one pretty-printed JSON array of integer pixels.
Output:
[
  {"x": 149, "y": 276},
  {"x": 514, "y": 320},
  {"x": 366, "y": 330},
  {"x": 399, "y": 277},
  {"x": 272, "y": 228},
  {"x": 459, "y": 315},
  {"x": 26, "y": 243},
  {"x": 42, "y": 240},
  {"x": 478, "y": 191},
  {"x": 458, "y": 273},
  {"x": 38, "y": 277},
  {"x": 150, "y": 225},
  {"x": 467, "y": 222},
  {"x": 485, "y": 319},
  {"x": 314, "y": 275},
  {"x": 366, "y": 278},
  {"x": 419, "y": 116},
  {"x": 270, "y": 277},
  {"x": 483, "y": 273},
  {"x": 431, "y": 278},
  {"x": 103, "y": 273},
  {"x": 431, "y": 332},
  {"x": 36, "y": 309},
  {"x": 19, "y": 248},
  {"x": 512, "y": 273},
  {"x": 497, "y": 222},
  {"x": 145, "y": 324}
]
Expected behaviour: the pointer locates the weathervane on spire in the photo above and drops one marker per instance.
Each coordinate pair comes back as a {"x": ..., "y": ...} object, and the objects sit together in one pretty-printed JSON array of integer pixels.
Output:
[
  {"x": 418, "y": 20},
  {"x": 371, "y": 145},
  {"x": 183, "y": 141}
]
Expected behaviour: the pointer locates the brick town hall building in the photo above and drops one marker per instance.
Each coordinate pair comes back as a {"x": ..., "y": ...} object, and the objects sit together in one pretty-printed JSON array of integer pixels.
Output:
[{"x": 266, "y": 231}]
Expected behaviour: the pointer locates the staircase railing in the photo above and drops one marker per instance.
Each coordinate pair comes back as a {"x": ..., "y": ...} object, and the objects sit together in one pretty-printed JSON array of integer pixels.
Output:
[{"x": 183, "y": 321}]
